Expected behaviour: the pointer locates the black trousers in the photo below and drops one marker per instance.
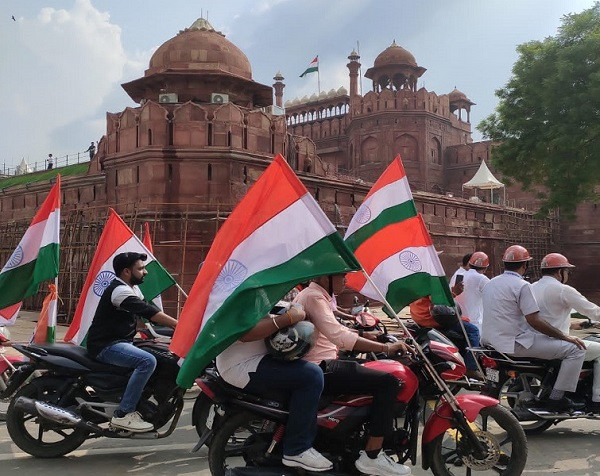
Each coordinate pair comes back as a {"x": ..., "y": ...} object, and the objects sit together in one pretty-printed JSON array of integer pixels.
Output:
[{"x": 348, "y": 377}]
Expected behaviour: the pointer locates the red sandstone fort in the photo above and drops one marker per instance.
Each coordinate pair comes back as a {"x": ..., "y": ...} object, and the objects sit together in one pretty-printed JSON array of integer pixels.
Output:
[{"x": 205, "y": 130}]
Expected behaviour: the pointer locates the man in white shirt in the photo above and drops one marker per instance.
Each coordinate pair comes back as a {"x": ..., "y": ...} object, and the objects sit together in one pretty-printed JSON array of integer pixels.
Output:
[
  {"x": 473, "y": 282},
  {"x": 556, "y": 300},
  {"x": 513, "y": 325},
  {"x": 457, "y": 288}
]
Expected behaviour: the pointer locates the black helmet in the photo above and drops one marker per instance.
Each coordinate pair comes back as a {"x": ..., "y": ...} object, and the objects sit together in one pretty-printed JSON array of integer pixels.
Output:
[
  {"x": 293, "y": 342},
  {"x": 445, "y": 316}
]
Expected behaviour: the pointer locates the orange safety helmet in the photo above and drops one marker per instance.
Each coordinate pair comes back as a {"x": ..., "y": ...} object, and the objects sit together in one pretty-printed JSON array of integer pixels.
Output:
[
  {"x": 555, "y": 260},
  {"x": 516, "y": 254},
  {"x": 479, "y": 260}
]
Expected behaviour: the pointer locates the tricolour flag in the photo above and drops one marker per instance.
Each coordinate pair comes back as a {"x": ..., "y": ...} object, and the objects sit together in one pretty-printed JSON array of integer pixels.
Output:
[
  {"x": 147, "y": 240},
  {"x": 9, "y": 314},
  {"x": 312, "y": 67},
  {"x": 35, "y": 259},
  {"x": 275, "y": 238},
  {"x": 116, "y": 238},
  {"x": 45, "y": 329},
  {"x": 390, "y": 240}
]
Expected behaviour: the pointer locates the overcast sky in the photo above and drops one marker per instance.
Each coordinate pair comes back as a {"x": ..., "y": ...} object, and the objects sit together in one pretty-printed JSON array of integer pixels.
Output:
[{"x": 62, "y": 62}]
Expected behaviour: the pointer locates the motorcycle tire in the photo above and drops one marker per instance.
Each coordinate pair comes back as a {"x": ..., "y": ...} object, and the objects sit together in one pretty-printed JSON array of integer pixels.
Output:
[
  {"x": 245, "y": 437},
  {"x": 511, "y": 450},
  {"x": 200, "y": 415},
  {"x": 28, "y": 432},
  {"x": 507, "y": 391}
]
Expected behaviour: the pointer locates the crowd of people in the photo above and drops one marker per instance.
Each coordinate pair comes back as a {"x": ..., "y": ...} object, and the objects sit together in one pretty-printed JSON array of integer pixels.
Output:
[{"x": 506, "y": 312}]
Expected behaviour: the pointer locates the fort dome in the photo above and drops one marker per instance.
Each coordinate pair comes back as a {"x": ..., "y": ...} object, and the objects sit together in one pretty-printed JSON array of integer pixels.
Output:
[
  {"x": 395, "y": 55},
  {"x": 200, "y": 48}
]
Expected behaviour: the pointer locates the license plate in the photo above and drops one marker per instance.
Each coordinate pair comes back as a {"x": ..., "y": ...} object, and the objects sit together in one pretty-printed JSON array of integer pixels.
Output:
[
  {"x": 211, "y": 417},
  {"x": 492, "y": 375}
]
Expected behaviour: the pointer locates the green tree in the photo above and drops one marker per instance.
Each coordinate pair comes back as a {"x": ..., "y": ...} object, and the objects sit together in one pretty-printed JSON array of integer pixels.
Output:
[{"x": 547, "y": 123}]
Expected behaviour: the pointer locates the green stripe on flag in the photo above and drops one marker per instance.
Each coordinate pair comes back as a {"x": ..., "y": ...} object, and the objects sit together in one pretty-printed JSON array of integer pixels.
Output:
[
  {"x": 255, "y": 297},
  {"x": 313, "y": 69},
  {"x": 403, "y": 291},
  {"x": 51, "y": 334},
  {"x": 23, "y": 281},
  {"x": 387, "y": 217},
  {"x": 157, "y": 280}
]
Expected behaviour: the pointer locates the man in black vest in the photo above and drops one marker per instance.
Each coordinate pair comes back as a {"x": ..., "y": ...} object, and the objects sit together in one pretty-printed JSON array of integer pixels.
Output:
[{"x": 111, "y": 335}]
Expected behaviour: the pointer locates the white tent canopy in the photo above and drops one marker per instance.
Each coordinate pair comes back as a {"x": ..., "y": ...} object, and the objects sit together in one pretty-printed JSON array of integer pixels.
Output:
[{"x": 484, "y": 179}]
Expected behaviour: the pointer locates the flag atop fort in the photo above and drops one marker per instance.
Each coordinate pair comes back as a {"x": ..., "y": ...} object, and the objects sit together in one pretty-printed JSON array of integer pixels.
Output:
[
  {"x": 276, "y": 237},
  {"x": 390, "y": 240},
  {"x": 35, "y": 259},
  {"x": 116, "y": 238},
  {"x": 313, "y": 67}
]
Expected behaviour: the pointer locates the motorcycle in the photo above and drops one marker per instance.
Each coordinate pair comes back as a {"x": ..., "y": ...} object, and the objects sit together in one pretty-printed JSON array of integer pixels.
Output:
[
  {"x": 75, "y": 397},
  {"x": 468, "y": 432},
  {"x": 519, "y": 384}
]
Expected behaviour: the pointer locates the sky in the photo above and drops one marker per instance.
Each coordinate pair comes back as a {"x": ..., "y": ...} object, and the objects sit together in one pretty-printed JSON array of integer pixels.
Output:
[{"x": 62, "y": 62}]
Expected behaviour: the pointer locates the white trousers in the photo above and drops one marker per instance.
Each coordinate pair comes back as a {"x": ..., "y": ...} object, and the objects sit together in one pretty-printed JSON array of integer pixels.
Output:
[
  {"x": 593, "y": 353},
  {"x": 572, "y": 357}
]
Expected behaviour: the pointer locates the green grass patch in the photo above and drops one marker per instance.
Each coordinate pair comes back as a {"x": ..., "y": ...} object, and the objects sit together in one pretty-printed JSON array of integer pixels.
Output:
[{"x": 67, "y": 171}]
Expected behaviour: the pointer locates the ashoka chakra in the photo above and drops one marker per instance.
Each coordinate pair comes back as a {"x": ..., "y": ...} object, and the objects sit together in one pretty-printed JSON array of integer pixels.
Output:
[
  {"x": 363, "y": 214},
  {"x": 102, "y": 281},
  {"x": 15, "y": 259},
  {"x": 231, "y": 276},
  {"x": 410, "y": 261}
]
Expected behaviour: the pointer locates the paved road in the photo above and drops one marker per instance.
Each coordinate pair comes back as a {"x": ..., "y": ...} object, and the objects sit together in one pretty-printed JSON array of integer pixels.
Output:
[{"x": 571, "y": 449}]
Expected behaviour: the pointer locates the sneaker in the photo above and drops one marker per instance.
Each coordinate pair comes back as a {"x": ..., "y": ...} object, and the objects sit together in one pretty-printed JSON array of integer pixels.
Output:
[
  {"x": 310, "y": 460},
  {"x": 131, "y": 421},
  {"x": 383, "y": 465}
]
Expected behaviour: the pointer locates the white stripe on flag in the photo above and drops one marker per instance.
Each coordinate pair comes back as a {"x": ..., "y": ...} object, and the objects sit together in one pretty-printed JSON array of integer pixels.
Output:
[
  {"x": 386, "y": 197},
  {"x": 391, "y": 269}
]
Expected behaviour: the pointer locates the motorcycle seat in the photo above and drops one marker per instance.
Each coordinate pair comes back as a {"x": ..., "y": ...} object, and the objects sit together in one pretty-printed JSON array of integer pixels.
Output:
[
  {"x": 489, "y": 351},
  {"x": 80, "y": 355}
]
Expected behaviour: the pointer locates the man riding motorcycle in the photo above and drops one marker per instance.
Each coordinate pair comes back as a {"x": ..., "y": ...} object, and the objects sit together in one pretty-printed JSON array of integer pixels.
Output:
[
  {"x": 111, "y": 335},
  {"x": 513, "y": 325},
  {"x": 556, "y": 301},
  {"x": 473, "y": 282},
  {"x": 350, "y": 377}
]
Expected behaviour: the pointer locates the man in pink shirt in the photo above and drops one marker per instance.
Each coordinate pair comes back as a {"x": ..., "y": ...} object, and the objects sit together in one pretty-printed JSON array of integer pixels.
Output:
[{"x": 342, "y": 376}]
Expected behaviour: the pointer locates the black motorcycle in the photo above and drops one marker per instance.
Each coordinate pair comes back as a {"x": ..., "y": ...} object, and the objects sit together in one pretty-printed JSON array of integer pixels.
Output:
[
  {"x": 75, "y": 397},
  {"x": 520, "y": 383}
]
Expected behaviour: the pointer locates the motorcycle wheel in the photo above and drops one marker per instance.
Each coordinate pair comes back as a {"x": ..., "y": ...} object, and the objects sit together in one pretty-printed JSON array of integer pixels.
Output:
[
  {"x": 200, "y": 415},
  {"x": 509, "y": 391},
  {"x": 499, "y": 431},
  {"x": 242, "y": 440},
  {"x": 39, "y": 437}
]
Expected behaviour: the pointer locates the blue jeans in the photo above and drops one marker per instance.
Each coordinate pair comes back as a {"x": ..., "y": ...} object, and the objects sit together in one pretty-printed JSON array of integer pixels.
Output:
[
  {"x": 125, "y": 354},
  {"x": 473, "y": 334},
  {"x": 303, "y": 382}
]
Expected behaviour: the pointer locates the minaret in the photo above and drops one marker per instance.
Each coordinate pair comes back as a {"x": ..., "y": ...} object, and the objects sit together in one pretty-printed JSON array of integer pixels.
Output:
[
  {"x": 353, "y": 66},
  {"x": 278, "y": 86}
]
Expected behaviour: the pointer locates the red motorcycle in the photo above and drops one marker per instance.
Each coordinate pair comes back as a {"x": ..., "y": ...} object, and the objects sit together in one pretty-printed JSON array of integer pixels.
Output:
[{"x": 461, "y": 434}]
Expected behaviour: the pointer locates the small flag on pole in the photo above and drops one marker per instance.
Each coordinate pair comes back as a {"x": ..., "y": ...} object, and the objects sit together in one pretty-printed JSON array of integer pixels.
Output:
[
  {"x": 45, "y": 329},
  {"x": 313, "y": 67}
]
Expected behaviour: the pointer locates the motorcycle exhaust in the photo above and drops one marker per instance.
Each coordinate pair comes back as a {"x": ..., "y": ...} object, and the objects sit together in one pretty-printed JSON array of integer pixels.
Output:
[
  {"x": 55, "y": 414},
  {"x": 548, "y": 415}
]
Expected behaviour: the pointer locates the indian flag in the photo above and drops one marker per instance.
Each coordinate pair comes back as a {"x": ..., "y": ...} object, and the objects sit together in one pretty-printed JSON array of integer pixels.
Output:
[
  {"x": 312, "y": 67},
  {"x": 147, "y": 240},
  {"x": 45, "y": 329},
  {"x": 9, "y": 314},
  {"x": 390, "y": 240},
  {"x": 116, "y": 238},
  {"x": 275, "y": 238},
  {"x": 35, "y": 259}
]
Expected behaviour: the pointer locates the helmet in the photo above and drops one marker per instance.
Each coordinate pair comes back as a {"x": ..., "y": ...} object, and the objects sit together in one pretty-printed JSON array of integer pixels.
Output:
[
  {"x": 293, "y": 342},
  {"x": 555, "y": 260},
  {"x": 479, "y": 260},
  {"x": 516, "y": 254},
  {"x": 445, "y": 316}
]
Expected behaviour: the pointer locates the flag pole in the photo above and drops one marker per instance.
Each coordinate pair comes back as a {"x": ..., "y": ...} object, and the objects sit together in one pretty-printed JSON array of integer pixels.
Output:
[
  {"x": 450, "y": 398},
  {"x": 318, "y": 75}
]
